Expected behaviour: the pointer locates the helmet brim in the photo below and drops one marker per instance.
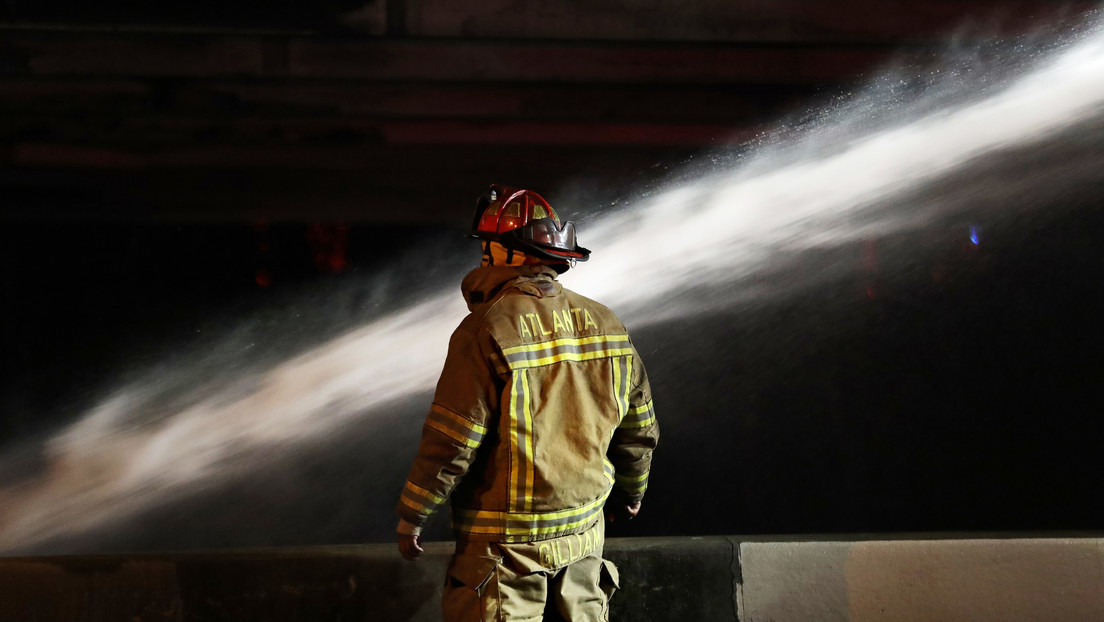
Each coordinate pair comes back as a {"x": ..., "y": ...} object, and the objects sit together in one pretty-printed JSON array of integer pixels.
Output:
[{"x": 544, "y": 237}]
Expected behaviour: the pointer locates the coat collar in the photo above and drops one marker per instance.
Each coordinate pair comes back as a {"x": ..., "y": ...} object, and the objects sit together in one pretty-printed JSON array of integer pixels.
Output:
[{"x": 485, "y": 283}]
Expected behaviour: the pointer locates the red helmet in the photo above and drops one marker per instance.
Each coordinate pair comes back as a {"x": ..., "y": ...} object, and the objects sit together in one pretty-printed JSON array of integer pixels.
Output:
[{"x": 524, "y": 221}]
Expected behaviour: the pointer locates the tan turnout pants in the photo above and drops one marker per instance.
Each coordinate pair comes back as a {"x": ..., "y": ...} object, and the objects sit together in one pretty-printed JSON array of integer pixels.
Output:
[{"x": 565, "y": 578}]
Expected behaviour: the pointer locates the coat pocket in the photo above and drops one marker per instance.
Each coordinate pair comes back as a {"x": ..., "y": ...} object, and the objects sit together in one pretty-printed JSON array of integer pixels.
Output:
[{"x": 471, "y": 588}]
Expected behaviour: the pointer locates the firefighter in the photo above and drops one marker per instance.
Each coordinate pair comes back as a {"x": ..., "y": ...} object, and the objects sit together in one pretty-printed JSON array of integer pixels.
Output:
[{"x": 542, "y": 417}]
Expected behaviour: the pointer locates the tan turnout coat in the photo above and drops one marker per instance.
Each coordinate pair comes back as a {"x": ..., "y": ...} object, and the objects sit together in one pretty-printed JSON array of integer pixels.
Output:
[{"x": 542, "y": 408}]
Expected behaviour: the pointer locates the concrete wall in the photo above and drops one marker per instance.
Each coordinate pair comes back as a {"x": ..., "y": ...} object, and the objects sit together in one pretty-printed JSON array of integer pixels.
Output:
[{"x": 711, "y": 579}]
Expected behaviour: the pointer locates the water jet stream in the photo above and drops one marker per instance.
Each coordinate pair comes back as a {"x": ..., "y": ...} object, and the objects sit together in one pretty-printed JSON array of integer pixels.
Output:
[{"x": 717, "y": 230}]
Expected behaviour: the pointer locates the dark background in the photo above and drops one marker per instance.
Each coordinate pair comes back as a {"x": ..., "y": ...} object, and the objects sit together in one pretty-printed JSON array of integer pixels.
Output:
[{"x": 173, "y": 172}]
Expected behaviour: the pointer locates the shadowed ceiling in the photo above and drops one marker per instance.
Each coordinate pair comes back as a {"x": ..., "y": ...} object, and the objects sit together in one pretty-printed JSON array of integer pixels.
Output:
[{"x": 398, "y": 111}]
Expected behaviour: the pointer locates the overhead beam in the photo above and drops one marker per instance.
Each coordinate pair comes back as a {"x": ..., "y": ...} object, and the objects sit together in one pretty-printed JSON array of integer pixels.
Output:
[
  {"x": 152, "y": 101},
  {"x": 396, "y": 184},
  {"x": 729, "y": 21},
  {"x": 712, "y": 21},
  {"x": 134, "y": 54}
]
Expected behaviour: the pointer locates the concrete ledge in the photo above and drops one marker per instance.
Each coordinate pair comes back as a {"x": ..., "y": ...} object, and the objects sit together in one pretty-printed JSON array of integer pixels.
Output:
[
  {"x": 992, "y": 579},
  {"x": 708, "y": 578}
]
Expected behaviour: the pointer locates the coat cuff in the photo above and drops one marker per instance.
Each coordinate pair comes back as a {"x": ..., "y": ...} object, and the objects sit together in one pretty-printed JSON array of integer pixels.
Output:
[{"x": 408, "y": 529}]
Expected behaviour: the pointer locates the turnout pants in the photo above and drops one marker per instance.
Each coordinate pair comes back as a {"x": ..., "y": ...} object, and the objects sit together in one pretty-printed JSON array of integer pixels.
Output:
[{"x": 560, "y": 579}]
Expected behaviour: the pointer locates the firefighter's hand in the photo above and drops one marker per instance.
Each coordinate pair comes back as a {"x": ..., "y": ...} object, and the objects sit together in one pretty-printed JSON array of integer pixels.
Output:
[
  {"x": 629, "y": 511},
  {"x": 410, "y": 547}
]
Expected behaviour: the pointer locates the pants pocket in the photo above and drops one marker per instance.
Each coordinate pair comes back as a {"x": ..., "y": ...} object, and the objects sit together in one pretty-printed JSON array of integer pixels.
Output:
[
  {"x": 609, "y": 581},
  {"x": 470, "y": 589}
]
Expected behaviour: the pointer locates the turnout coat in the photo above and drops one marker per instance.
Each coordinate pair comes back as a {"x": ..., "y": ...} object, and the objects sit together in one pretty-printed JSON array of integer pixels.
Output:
[{"x": 542, "y": 410}]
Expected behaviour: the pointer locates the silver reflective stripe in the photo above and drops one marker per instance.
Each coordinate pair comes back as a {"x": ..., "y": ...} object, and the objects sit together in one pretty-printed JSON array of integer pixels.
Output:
[
  {"x": 520, "y": 526},
  {"x": 419, "y": 499},
  {"x": 455, "y": 426},
  {"x": 567, "y": 349},
  {"x": 521, "y": 444},
  {"x": 639, "y": 416},
  {"x": 633, "y": 485},
  {"x": 622, "y": 383}
]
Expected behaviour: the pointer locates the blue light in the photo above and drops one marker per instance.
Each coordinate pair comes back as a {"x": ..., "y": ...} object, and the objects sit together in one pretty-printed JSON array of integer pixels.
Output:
[{"x": 974, "y": 235}]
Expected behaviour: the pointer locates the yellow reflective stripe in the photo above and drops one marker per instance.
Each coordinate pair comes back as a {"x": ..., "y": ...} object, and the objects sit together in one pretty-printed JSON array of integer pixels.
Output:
[
  {"x": 638, "y": 424},
  {"x": 525, "y": 531},
  {"x": 464, "y": 520},
  {"x": 608, "y": 472},
  {"x": 414, "y": 505},
  {"x": 455, "y": 426},
  {"x": 467, "y": 423},
  {"x": 515, "y": 450},
  {"x": 411, "y": 497},
  {"x": 622, "y": 370},
  {"x": 634, "y": 484},
  {"x": 522, "y": 445},
  {"x": 564, "y": 341},
  {"x": 632, "y": 478},
  {"x": 570, "y": 356},
  {"x": 628, "y": 362},
  {"x": 637, "y": 418},
  {"x": 566, "y": 349},
  {"x": 453, "y": 434},
  {"x": 617, "y": 388},
  {"x": 474, "y": 515},
  {"x": 530, "y": 446},
  {"x": 424, "y": 493}
]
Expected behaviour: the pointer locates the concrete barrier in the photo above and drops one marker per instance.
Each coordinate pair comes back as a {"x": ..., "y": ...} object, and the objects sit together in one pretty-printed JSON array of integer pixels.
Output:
[{"x": 710, "y": 578}]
